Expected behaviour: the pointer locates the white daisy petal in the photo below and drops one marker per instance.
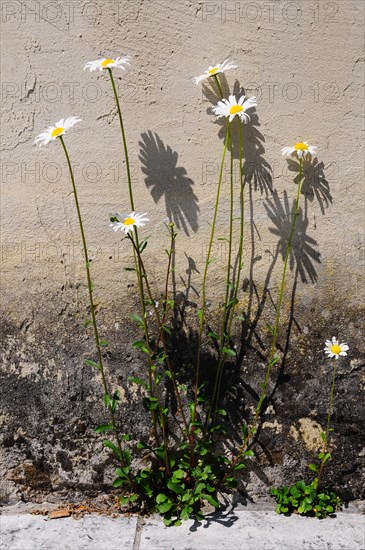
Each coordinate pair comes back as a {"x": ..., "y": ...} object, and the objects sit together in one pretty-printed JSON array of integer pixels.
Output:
[
  {"x": 301, "y": 149},
  {"x": 53, "y": 132},
  {"x": 127, "y": 223},
  {"x": 231, "y": 107},
  {"x": 334, "y": 349},
  {"x": 213, "y": 70},
  {"x": 107, "y": 63}
]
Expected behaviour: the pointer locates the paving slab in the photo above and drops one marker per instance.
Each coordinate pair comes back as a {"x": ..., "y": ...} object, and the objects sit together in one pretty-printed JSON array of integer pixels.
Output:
[
  {"x": 92, "y": 532},
  {"x": 236, "y": 530},
  {"x": 257, "y": 531}
]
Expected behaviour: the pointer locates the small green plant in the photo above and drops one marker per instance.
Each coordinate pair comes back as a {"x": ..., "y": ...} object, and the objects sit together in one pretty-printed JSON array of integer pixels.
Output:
[
  {"x": 306, "y": 500},
  {"x": 312, "y": 499},
  {"x": 177, "y": 496}
]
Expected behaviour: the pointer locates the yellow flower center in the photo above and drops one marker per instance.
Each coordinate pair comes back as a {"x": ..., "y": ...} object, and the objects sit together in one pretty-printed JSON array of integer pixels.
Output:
[
  {"x": 57, "y": 131},
  {"x": 213, "y": 71},
  {"x": 336, "y": 349},
  {"x": 107, "y": 62},
  {"x": 235, "y": 109},
  {"x": 129, "y": 221},
  {"x": 300, "y": 146}
]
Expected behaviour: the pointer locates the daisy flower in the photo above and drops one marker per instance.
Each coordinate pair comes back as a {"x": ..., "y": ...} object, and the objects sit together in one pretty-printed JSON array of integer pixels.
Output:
[
  {"x": 231, "y": 107},
  {"x": 335, "y": 349},
  {"x": 128, "y": 223},
  {"x": 56, "y": 131},
  {"x": 100, "y": 64},
  {"x": 212, "y": 71},
  {"x": 302, "y": 148}
]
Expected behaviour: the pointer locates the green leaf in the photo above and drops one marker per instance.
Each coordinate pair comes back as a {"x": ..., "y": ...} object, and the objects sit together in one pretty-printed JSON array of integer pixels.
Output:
[
  {"x": 87, "y": 323},
  {"x": 176, "y": 488},
  {"x": 138, "y": 320},
  {"x": 161, "y": 498},
  {"x": 129, "y": 269},
  {"x": 239, "y": 467},
  {"x": 140, "y": 344},
  {"x": 323, "y": 436},
  {"x": 178, "y": 474},
  {"x": 249, "y": 453},
  {"x": 185, "y": 512},
  {"x": 118, "y": 482},
  {"x": 211, "y": 500},
  {"x": 165, "y": 507},
  {"x": 103, "y": 343},
  {"x": 313, "y": 467},
  {"x": 326, "y": 457},
  {"x": 142, "y": 246},
  {"x": 111, "y": 446},
  {"x": 213, "y": 335},
  {"x": 92, "y": 364},
  {"x": 122, "y": 472},
  {"x": 103, "y": 428},
  {"x": 200, "y": 315},
  {"x": 274, "y": 360},
  {"x": 139, "y": 381},
  {"x": 229, "y": 352}
]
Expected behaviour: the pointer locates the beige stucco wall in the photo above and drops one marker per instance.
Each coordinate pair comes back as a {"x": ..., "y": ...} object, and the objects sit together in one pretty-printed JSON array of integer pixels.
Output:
[{"x": 303, "y": 61}]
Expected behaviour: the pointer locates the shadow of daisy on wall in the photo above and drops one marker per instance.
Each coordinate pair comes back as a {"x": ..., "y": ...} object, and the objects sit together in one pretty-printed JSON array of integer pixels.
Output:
[{"x": 166, "y": 179}]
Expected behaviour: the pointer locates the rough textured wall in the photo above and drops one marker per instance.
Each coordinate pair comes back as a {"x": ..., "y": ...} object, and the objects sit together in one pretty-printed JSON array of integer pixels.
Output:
[{"x": 304, "y": 62}]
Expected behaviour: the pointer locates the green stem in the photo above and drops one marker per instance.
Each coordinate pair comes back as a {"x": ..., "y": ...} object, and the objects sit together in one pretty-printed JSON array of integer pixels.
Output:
[
  {"x": 324, "y": 460},
  {"x": 207, "y": 262},
  {"x": 92, "y": 307},
  {"x": 282, "y": 286},
  {"x": 147, "y": 339},
  {"x": 131, "y": 200},
  {"x": 223, "y": 334},
  {"x": 242, "y": 225},
  {"x": 218, "y": 85},
  {"x": 270, "y": 362},
  {"x": 124, "y": 140},
  {"x": 231, "y": 309},
  {"x": 161, "y": 334}
]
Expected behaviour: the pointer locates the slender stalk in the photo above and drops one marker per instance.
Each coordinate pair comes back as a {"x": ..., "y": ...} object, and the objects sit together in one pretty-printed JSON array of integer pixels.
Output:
[
  {"x": 242, "y": 225},
  {"x": 219, "y": 86},
  {"x": 271, "y": 361},
  {"x": 228, "y": 319},
  {"x": 131, "y": 200},
  {"x": 325, "y": 446},
  {"x": 161, "y": 332},
  {"x": 149, "y": 353},
  {"x": 207, "y": 262},
  {"x": 124, "y": 139},
  {"x": 223, "y": 334},
  {"x": 92, "y": 308}
]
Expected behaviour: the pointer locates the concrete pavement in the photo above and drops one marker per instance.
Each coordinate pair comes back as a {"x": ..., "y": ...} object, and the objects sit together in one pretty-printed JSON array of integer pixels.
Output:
[{"x": 243, "y": 530}]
